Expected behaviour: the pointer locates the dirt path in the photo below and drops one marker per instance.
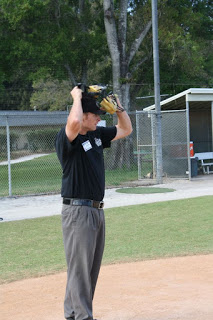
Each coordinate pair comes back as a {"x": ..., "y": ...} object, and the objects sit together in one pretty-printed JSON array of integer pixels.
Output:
[{"x": 167, "y": 289}]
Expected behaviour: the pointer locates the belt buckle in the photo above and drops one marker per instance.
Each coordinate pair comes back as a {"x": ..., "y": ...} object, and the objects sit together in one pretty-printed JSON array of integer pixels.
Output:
[
  {"x": 101, "y": 205},
  {"x": 76, "y": 202}
]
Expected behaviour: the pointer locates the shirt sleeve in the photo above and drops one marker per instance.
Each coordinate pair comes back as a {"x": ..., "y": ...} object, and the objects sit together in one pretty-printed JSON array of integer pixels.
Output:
[
  {"x": 107, "y": 135},
  {"x": 62, "y": 145}
]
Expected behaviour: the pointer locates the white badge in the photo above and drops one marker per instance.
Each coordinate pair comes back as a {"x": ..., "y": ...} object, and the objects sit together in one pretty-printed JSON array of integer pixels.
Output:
[
  {"x": 98, "y": 142},
  {"x": 87, "y": 145}
]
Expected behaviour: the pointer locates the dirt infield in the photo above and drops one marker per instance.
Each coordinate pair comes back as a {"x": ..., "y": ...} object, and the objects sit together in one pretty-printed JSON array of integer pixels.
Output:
[{"x": 166, "y": 289}]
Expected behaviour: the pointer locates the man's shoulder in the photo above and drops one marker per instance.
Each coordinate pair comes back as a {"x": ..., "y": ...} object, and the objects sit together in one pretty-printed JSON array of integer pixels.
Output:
[
  {"x": 106, "y": 134},
  {"x": 60, "y": 133},
  {"x": 104, "y": 130}
]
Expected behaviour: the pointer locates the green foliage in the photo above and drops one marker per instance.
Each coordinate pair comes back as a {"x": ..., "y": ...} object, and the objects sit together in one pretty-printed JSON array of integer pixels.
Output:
[
  {"x": 42, "y": 140},
  {"x": 65, "y": 41},
  {"x": 185, "y": 42},
  {"x": 185, "y": 49},
  {"x": 51, "y": 95},
  {"x": 3, "y": 142},
  {"x": 46, "y": 38}
]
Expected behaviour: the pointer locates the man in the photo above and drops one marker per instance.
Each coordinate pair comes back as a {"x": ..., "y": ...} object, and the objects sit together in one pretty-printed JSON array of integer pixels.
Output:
[{"x": 79, "y": 148}]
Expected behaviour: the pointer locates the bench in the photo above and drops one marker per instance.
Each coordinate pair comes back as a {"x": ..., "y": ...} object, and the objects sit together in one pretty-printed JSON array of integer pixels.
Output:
[
  {"x": 145, "y": 155},
  {"x": 206, "y": 160}
]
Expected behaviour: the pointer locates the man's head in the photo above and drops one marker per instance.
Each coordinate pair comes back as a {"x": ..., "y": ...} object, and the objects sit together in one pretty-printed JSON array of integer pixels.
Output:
[
  {"x": 91, "y": 105},
  {"x": 91, "y": 112}
]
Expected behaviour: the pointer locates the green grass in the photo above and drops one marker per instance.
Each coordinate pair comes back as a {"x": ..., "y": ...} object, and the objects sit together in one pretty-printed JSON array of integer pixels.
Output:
[
  {"x": 30, "y": 248},
  {"x": 43, "y": 175},
  {"x": 144, "y": 190},
  {"x": 34, "y": 176},
  {"x": 163, "y": 229},
  {"x": 118, "y": 176}
]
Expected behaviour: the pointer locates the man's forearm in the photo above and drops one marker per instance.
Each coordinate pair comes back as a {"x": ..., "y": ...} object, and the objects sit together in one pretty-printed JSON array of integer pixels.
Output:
[
  {"x": 76, "y": 112},
  {"x": 124, "y": 125},
  {"x": 75, "y": 117},
  {"x": 124, "y": 121}
]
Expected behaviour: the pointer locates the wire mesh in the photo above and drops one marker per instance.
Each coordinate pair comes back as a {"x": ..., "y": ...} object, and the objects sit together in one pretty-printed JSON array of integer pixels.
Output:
[
  {"x": 27, "y": 149},
  {"x": 32, "y": 159},
  {"x": 174, "y": 144},
  {"x": 146, "y": 145}
]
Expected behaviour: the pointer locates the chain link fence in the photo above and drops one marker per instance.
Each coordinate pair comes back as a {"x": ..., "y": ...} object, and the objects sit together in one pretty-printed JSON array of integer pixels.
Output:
[
  {"x": 146, "y": 144},
  {"x": 29, "y": 164},
  {"x": 28, "y": 161},
  {"x": 174, "y": 144}
]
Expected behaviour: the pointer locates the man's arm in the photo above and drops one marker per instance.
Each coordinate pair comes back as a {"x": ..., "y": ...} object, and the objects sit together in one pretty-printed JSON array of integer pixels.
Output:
[
  {"x": 124, "y": 125},
  {"x": 74, "y": 120}
]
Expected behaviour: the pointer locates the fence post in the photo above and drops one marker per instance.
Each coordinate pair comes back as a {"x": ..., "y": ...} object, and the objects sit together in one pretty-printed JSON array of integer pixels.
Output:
[
  {"x": 138, "y": 149},
  {"x": 8, "y": 158},
  {"x": 212, "y": 123},
  {"x": 154, "y": 144},
  {"x": 188, "y": 137},
  {"x": 159, "y": 171}
]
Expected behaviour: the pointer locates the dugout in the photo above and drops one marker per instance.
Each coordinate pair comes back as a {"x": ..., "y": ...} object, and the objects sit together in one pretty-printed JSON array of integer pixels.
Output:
[{"x": 198, "y": 106}]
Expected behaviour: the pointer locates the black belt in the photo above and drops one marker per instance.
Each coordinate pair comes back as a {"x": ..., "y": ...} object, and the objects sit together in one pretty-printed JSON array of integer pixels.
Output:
[{"x": 84, "y": 202}]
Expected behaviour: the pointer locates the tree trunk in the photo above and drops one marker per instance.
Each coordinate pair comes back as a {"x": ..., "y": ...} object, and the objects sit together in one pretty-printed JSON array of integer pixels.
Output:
[
  {"x": 70, "y": 74},
  {"x": 121, "y": 59},
  {"x": 112, "y": 40}
]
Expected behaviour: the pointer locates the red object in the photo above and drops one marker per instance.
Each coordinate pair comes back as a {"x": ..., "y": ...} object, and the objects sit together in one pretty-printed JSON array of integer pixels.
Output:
[{"x": 191, "y": 147}]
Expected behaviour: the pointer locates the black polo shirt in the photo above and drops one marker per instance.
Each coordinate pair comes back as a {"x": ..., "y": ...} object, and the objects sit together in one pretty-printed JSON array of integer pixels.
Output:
[{"x": 82, "y": 162}]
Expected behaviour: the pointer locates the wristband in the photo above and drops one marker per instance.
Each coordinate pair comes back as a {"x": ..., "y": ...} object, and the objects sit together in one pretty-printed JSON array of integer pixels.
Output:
[{"x": 120, "y": 109}]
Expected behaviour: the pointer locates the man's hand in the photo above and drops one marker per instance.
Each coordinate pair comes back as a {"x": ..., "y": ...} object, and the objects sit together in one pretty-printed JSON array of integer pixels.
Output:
[
  {"x": 120, "y": 108},
  {"x": 76, "y": 93},
  {"x": 111, "y": 104}
]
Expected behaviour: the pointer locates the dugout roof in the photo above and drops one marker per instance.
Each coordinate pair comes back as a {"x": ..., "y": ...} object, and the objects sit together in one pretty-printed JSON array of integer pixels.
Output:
[
  {"x": 32, "y": 118},
  {"x": 199, "y": 98}
]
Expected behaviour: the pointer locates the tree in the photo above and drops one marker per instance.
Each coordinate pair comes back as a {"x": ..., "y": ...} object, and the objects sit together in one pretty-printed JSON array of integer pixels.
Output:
[
  {"x": 65, "y": 39},
  {"x": 122, "y": 49},
  {"x": 124, "y": 41},
  {"x": 185, "y": 48},
  {"x": 51, "y": 95},
  {"x": 60, "y": 38},
  {"x": 185, "y": 40},
  {"x": 185, "y": 33}
]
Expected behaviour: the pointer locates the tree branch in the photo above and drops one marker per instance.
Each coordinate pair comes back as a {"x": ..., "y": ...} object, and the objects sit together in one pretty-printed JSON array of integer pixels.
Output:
[
  {"x": 112, "y": 40},
  {"x": 70, "y": 73},
  {"x": 136, "y": 44},
  {"x": 139, "y": 64},
  {"x": 122, "y": 31}
]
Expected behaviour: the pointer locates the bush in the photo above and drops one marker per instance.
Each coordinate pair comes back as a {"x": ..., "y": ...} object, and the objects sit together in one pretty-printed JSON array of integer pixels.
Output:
[
  {"x": 3, "y": 142},
  {"x": 42, "y": 140}
]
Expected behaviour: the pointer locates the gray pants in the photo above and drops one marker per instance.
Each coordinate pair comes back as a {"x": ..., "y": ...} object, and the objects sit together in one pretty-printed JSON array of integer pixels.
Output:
[{"x": 84, "y": 236}]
